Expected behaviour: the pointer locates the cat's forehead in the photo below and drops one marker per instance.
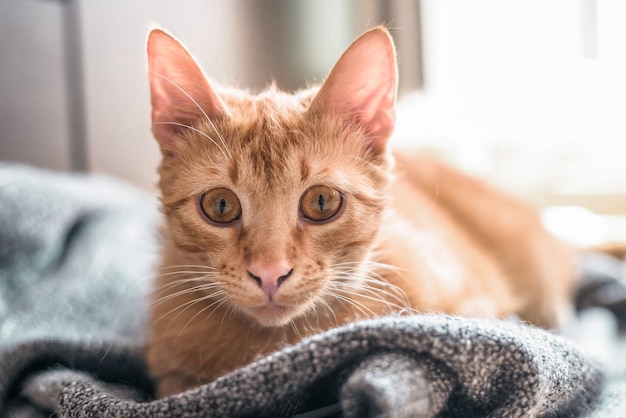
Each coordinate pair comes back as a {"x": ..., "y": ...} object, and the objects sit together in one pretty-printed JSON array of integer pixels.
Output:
[
  {"x": 280, "y": 157},
  {"x": 292, "y": 146},
  {"x": 270, "y": 142}
]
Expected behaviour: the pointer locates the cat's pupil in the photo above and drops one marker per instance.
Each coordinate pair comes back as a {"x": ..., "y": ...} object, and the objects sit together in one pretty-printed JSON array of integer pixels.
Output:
[
  {"x": 320, "y": 201},
  {"x": 222, "y": 206}
]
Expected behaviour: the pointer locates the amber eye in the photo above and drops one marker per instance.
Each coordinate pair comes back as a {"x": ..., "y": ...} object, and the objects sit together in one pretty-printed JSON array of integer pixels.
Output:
[
  {"x": 320, "y": 203},
  {"x": 220, "y": 205}
]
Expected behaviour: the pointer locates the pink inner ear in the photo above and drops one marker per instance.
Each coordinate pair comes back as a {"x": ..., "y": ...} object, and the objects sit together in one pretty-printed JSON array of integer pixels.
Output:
[
  {"x": 361, "y": 88},
  {"x": 180, "y": 93}
]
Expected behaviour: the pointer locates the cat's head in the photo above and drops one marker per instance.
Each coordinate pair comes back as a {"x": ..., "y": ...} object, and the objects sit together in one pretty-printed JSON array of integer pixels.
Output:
[{"x": 279, "y": 196}]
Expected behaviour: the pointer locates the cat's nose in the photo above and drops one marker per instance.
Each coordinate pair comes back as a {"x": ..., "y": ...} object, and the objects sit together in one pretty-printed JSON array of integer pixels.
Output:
[{"x": 269, "y": 276}]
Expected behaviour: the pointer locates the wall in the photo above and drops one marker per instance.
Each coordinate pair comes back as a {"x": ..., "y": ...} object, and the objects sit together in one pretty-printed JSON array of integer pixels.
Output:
[{"x": 33, "y": 105}]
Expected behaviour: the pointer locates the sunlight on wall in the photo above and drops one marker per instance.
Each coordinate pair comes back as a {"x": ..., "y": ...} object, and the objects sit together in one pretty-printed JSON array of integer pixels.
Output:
[
  {"x": 512, "y": 94},
  {"x": 582, "y": 227}
]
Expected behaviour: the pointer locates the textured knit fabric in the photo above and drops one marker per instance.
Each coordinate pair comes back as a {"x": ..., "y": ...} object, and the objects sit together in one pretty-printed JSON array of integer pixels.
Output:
[{"x": 75, "y": 260}]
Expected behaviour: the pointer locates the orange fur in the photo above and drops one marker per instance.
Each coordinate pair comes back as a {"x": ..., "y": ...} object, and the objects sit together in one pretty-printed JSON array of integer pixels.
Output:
[{"x": 413, "y": 236}]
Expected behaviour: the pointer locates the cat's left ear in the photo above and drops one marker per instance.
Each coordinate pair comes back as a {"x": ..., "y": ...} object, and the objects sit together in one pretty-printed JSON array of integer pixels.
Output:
[
  {"x": 179, "y": 90},
  {"x": 362, "y": 87}
]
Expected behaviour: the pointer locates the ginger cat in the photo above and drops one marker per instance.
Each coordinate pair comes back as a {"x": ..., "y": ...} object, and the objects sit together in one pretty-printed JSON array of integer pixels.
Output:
[{"x": 288, "y": 214}]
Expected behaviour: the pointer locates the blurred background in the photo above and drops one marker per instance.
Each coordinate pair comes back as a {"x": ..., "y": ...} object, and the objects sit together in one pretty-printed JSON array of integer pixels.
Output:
[{"x": 530, "y": 94}]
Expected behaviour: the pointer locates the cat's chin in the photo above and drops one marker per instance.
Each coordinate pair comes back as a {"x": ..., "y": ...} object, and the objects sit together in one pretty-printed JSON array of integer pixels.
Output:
[{"x": 272, "y": 315}]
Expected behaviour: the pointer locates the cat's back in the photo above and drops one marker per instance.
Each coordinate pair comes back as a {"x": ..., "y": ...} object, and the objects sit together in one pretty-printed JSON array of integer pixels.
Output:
[{"x": 464, "y": 247}]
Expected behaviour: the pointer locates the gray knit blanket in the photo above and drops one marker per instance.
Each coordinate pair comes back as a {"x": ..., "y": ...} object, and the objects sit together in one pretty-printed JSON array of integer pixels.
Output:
[{"x": 76, "y": 256}]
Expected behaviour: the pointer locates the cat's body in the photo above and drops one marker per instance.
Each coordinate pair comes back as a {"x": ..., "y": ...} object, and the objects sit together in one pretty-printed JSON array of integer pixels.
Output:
[{"x": 286, "y": 216}]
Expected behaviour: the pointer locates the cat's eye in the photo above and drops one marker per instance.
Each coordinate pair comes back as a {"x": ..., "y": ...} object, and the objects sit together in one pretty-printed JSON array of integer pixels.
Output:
[
  {"x": 321, "y": 203},
  {"x": 220, "y": 205}
]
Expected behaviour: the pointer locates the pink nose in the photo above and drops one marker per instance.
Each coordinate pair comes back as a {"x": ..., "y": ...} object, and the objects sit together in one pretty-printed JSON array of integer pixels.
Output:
[{"x": 269, "y": 276}]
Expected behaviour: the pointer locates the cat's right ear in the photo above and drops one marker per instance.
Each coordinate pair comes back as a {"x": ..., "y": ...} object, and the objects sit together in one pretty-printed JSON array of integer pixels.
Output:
[
  {"x": 361, "y": 88},
  {"x": 179, "y": 91}
]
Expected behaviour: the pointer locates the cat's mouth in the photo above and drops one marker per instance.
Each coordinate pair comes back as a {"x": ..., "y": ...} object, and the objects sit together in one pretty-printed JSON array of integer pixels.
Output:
[{"x": 272, "y": 314}]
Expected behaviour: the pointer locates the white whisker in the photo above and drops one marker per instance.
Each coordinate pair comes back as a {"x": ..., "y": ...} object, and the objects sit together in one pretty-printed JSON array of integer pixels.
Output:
[
  {"x": 191, "y": 290},
  {"x": 218, "y": 302},
  {"x": 359, "y": 280},
  {"x": 199, "y": 266},
  {"x": 295, "y": 328},
  {"x": 328, "y": 308},
  {"x": 184, "y": 307}
]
